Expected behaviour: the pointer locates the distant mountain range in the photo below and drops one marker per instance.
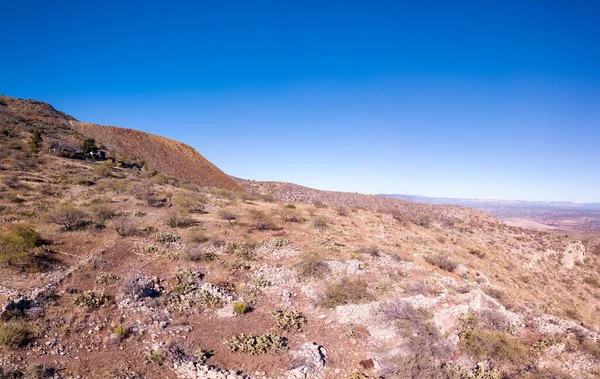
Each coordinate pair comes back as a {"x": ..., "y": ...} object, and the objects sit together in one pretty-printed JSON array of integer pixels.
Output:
[{"x": 486, "y": 204}]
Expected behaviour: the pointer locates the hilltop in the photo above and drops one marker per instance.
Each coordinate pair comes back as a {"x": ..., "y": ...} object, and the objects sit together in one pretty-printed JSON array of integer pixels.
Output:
[
  {"x": 114, "y": 270},
  {"x": 162, "y": 154}
]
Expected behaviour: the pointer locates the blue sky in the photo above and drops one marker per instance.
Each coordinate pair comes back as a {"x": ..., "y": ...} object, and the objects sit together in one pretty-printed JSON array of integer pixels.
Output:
[{"x": 482, "y": 99}]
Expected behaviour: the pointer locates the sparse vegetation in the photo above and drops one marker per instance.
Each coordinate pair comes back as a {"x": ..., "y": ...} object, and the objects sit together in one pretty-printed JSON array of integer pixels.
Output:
[{"x": 181, "y": 286}]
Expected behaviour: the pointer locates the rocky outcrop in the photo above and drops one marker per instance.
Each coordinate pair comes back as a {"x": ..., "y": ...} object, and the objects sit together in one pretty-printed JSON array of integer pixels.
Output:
[{"x": 574, "y": 253}]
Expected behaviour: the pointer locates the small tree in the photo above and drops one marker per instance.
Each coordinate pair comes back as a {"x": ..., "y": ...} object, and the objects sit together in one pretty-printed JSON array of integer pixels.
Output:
[
  {"x": 35, "y": 140},
  {"x": 89, "y": 146},
  {"x": 224, "y": 214}
]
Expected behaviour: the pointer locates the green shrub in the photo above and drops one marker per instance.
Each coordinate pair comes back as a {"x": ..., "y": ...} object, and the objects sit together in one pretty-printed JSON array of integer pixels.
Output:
[
  {"x": 155, "y": 356},
  {"x": 288, "y": 319},
  {"x": 239, "y": 307},
  {"x": 28, "y": 235},
  {"x": 493, "y": 344},
  {"x": 17, "y": 248},
  {"x": 121, "y": 332},
  {"x": 256, "y": 344},
  {"x": 14, "y": 335},
  {"x": 89, "y": 146},
  {"x": 346, "y": 291}
]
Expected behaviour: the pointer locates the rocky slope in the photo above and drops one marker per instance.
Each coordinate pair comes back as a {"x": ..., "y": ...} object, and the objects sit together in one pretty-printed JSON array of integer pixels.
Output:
[
  {"x": 167, "y": 156},
  {"x": 108, "y": 272}
]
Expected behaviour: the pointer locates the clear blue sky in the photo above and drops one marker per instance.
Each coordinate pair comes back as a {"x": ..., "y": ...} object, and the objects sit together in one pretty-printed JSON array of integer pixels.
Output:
[{"x": 485, "y": 99}]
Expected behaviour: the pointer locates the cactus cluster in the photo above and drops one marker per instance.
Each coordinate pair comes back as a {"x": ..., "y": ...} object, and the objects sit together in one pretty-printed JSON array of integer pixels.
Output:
[
  {"x": 288, "y": 319},
  {"x": 256, "y": 344}
]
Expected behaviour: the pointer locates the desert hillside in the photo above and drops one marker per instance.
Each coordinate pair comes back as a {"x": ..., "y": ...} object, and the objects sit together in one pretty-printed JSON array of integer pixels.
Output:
[
  {"x": 112, "y": 271},
  {"x": 162, "y": 154},
  {"x": 165, "y": 155}
]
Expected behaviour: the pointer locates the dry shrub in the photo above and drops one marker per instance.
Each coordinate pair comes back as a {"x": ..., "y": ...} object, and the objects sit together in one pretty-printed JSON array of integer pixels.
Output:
[
  {"x": 126, "y": 226},
  {"x": 70, "y": 218},
  {"x": 225, "y": 214},
  {"x": 103, "y": 213},
  {"x": 267, "y": 197},
  {"x": 177, "y": 218},
  {"x": 14, "y": 335},
  {"x": 104, "y": 169},
  {"x": 592, "y": 348},
  {"x": 311, "y": 266},
  {"x": 12, "y": 181},
  {"x": 495, "y": 345},
  {"x": 320, "y": 223},
  {"x": 289, "y": 214},
  {"x": 346, "y": 291},
  {"x": 341, "y": 211},
  {"x": 319, "y": 204},
  {"x": 443, "y": 261},
  {"x": 370, "y": 250},
  {"x": 477, "y": 252},
  {"x": 425, "y": 343},
  {"x": 260, "y": 220}
]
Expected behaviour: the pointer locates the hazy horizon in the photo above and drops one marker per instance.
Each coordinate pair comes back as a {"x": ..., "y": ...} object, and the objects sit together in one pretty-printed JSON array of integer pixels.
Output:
[{"x": 440, "y": 100}]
